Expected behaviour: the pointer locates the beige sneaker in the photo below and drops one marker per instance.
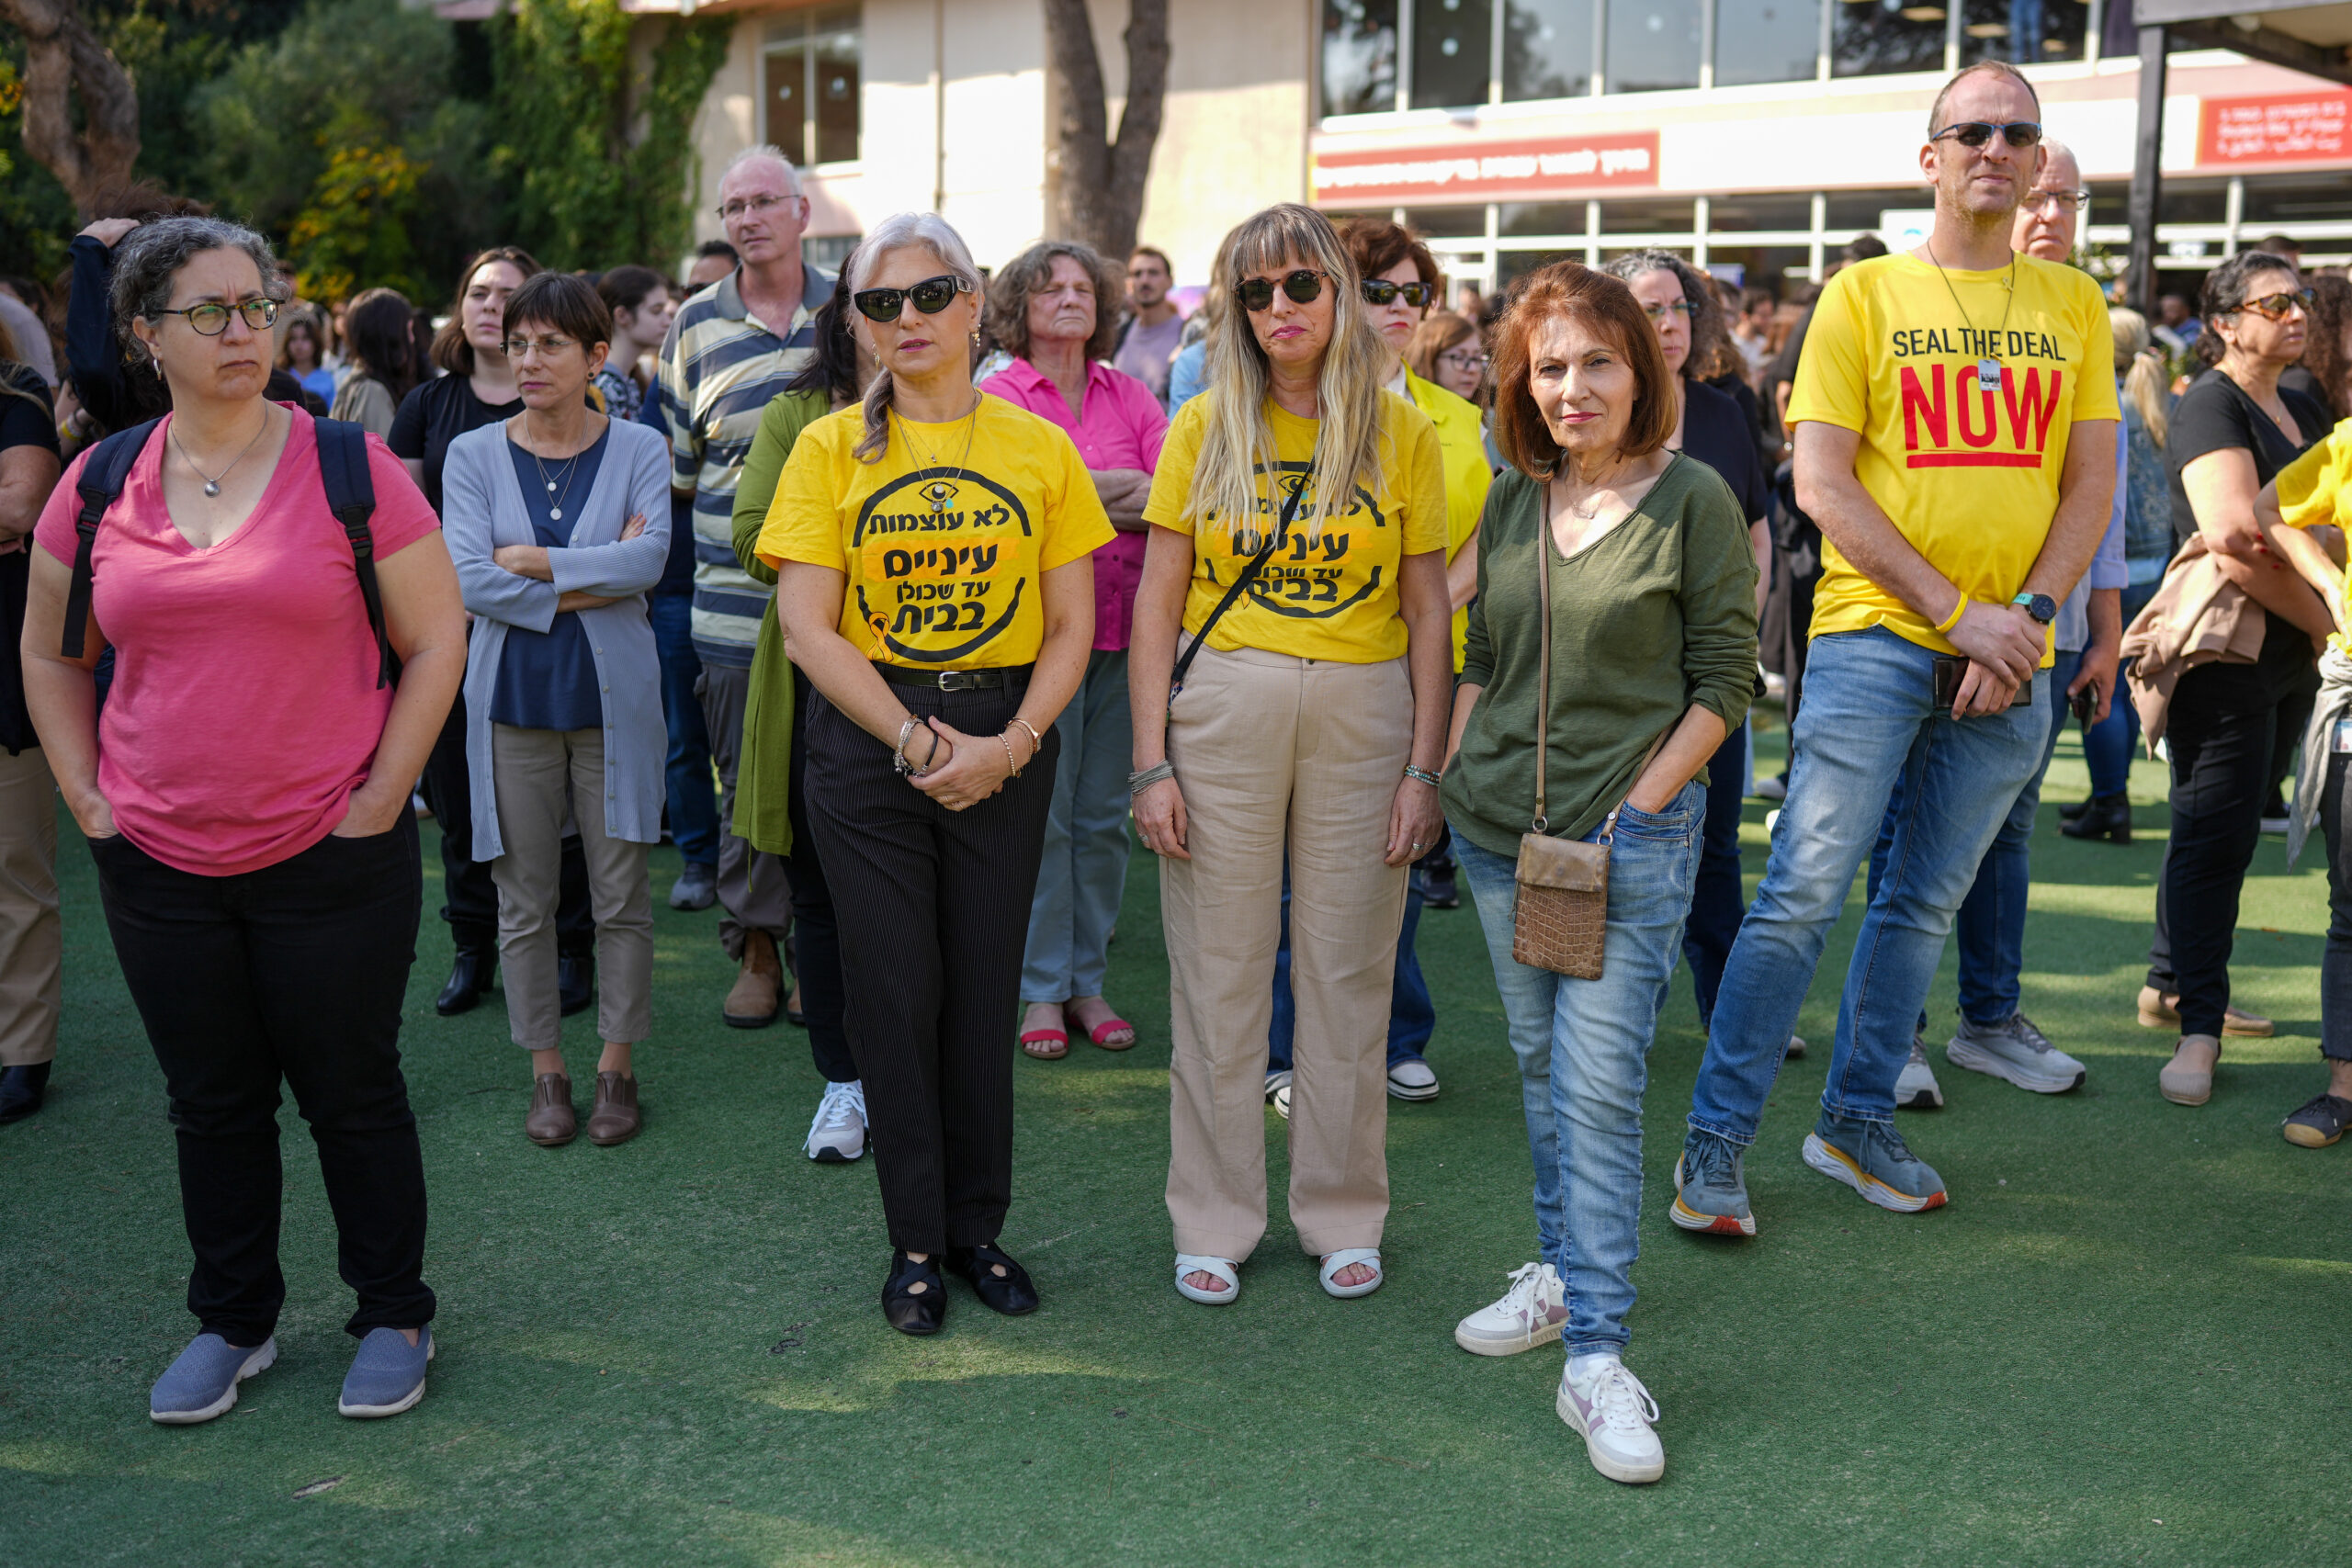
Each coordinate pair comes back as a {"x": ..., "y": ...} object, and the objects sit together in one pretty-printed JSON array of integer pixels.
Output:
[{"x": 2188, "y": 1078}]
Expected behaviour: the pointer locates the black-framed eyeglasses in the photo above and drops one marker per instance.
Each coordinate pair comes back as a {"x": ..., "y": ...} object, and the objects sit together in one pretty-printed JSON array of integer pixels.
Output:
[
  {"x": 211, "y": 319},
  {"x": 2274, "y": 306},
  {"x": 1303, "y": 286},
  {"x": 1462, "y": 359},
  {"x": 2020, "y": 134},
  {"x": 1658, "y": 313},
  {"x": 1382, "y": 291},
  {"x": 516, "y": 347},
  {"x": 930, "y": 297}
]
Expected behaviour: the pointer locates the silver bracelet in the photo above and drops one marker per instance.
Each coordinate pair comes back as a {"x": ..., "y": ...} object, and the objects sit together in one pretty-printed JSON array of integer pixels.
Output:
[
  {"x": 1435, "y": 781},
  {"x": 1140, "y": 782},
  {"x": 898, "y": 760}
]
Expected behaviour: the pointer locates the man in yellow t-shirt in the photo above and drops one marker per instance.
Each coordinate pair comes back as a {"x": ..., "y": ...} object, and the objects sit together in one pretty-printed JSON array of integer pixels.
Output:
[{"x": 1955, "y": 423}]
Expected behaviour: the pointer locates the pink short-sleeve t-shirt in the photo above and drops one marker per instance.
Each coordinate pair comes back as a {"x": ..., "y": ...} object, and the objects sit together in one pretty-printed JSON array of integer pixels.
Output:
[{"x": 244, "y": 709}]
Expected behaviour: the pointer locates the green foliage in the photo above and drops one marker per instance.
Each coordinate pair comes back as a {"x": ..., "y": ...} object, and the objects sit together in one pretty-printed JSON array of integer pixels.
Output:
[
  {"x": 35, "y": 219},
  {"x": 597, "y": 152}
]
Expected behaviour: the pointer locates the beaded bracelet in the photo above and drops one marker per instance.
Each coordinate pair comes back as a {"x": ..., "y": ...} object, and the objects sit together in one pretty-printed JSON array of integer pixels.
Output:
[{"x": 1423, "y": 775}]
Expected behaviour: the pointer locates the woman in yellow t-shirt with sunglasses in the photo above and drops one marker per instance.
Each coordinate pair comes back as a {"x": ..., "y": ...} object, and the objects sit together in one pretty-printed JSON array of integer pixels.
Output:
[
  {"x": 934, "y": 583},
  {"x": 1310, "y": 724}
]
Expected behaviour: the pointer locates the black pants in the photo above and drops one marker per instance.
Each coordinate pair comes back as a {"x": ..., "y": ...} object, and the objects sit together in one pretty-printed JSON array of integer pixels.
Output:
[
  {"x": 2223, "y": 735},
  {"x": 816, "y": 937},
  {"x": 1717, "y": 894},
  {"x": 934, "y": 908},
  {"x": 2335, "y": 963},
  {"x": 471, "y": 907},
  {"x": 294, "y": 972}
]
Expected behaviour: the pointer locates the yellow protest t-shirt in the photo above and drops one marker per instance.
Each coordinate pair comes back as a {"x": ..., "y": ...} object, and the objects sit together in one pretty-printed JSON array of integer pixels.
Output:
[
  {"x": 1330, "y": 597},
  {"x": 1462, "y": 449},
  {"x": 944, "y": 539},
  {"x": 1968, "y": 473},
  {"x": 2314, "y": 491}
]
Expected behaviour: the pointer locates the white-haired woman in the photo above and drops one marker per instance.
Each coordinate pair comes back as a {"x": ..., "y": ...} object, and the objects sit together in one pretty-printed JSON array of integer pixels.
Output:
[
  {"x": 1299, "y": 553},
  {"x": 935, "y": 582}
]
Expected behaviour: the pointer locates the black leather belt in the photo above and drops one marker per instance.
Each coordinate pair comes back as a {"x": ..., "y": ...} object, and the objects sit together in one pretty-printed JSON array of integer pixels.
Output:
[{"x": 955, "y": 679}]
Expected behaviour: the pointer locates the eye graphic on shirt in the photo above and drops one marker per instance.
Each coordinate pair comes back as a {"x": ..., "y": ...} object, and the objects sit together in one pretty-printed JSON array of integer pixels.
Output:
[{"x": 940, "y": 493}]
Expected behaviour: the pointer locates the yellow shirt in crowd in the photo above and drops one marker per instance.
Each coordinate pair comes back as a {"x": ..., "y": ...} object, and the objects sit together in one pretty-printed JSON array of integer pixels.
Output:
[
  {"x": 1333, "y": 597},
  {"x": 2314, "y": 491},
  {"x": 944, "y": 549},
  {"x": 1462, "y": 449},
  {"x": 1968, "y": 474}
]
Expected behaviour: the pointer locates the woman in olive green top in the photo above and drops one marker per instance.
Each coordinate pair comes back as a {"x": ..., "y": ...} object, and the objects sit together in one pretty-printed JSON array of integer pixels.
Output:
[
  {"x": 769, "y": 815},
  {"x": 1652, "y": 645}
]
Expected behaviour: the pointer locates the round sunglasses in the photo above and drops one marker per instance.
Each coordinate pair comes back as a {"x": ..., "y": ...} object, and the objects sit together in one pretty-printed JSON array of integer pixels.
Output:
[
  {"x": 2020, "y": 134},
  {"x": 1381, "y": 291},
  {"x": 1258, "y": 293},
  {"x": 930, "y": 297}
]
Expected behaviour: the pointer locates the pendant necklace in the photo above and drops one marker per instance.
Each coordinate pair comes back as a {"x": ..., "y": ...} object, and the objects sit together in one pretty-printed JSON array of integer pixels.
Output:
[
  {"x": 1989, "y": 366},
  {"x": 556, "y": 499},
  {"x": 971, "y": 422},
  {"x": 212, "y": 483}
]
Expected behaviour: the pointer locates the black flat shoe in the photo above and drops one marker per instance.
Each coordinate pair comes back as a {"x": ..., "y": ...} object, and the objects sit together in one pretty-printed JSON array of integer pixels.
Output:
[
  {"x": 1009, "y": 1293},
  {"x": 575, "y": 982},
  {"x": 913, "y": 1299},
  {"x": 2108, "y": 817},
  {"x": 22, "y": 1090},
  {"x": 469, "y": 978}
]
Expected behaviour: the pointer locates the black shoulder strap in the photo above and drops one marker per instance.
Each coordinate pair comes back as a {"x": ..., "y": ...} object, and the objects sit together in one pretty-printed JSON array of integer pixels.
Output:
[
  {"x": 351, "y": 496},
  {"x": 102, "y": 481},
  {"x": 1257, "y": 563}
]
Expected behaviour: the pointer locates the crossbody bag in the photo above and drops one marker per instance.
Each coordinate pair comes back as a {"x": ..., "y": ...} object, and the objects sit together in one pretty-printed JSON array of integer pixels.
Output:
[{"x": 1249, "y": 570}]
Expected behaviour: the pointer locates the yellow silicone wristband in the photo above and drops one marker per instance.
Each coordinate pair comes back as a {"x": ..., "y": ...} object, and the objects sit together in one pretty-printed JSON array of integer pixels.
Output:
[{"x": 1953, "y": 619}]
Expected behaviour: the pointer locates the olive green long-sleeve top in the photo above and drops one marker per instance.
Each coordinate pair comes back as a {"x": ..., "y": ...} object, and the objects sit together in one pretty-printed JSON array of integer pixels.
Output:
[
  {"x": 763, "y": 767},
  {"x": 1657, "y": 613}
]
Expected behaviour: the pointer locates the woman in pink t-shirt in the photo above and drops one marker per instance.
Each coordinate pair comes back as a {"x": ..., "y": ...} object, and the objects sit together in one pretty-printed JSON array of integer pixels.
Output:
[
  {"x": 246, "y": 801},
  {"x": 1045, "y": 307}
]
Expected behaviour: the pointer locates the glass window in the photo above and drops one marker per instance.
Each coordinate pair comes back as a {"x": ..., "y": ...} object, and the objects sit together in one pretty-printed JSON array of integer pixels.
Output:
[
  {"x": 1789, "y": 211},
  {"x": 1512, "y": 265},
  {"x": 2283, "y": 201},
  {"x": 787, "y": 101},
  {"x": 1452, "y": 40},
  {"x": 2193, "y": 202},
  {"x": 1450, "y": 222},
  {"x": 1654, "y": 44},
  {"x": 1669, "y": 216},
  {"x": 1359, "y": 56},
  {"x": 836, "y": 53},
  {"x": 2110, "y": 202},
  {"x": 2022, "y": 31},
  {"x": 1760, "y": 266},
  {"x": 1777, "y": 41},
  {"x": 1540, "y": 217},
  {"x": 1547, "y": 48},
  {"x": 1872, "y": 38},
  {"x": 1860, "y": 209},
  {"x": 811, "y": 85}
]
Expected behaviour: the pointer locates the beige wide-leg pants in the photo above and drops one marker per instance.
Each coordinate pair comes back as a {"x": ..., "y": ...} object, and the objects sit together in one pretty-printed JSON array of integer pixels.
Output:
[
  {"x": 1273, "y": 751},
  {"x": 31, "y": 940}
]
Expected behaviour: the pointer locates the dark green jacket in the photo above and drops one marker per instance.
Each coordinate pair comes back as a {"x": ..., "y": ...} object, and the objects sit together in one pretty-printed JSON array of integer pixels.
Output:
[{"x": 763, "y": 769}]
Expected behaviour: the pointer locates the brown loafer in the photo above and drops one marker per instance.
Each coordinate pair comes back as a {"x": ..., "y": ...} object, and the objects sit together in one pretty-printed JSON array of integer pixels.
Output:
[
  {"x": 551, "y": 1121},
  {"x": 2160, "y": 1011},
  {"x": 616, "y": 1118},
  {"x": 757, "y": 995}
]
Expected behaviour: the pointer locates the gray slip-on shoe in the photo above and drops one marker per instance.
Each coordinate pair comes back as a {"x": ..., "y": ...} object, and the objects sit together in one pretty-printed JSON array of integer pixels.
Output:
[{"x": 203, "y": 1382}]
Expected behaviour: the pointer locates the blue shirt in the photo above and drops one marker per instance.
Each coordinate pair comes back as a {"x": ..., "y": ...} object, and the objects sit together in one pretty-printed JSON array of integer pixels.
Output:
[{"x": 547, "y": 679}]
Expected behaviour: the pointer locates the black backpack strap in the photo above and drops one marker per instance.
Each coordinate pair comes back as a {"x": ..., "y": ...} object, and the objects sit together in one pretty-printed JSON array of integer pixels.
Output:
[
  {"x": 351, "y": 496},
  {"x": 1249, "y": 574},
  {"x": 102, "y": 481}
]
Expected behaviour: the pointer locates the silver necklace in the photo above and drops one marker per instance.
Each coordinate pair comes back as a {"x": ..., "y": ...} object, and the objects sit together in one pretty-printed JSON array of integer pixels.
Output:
[
  {"x": 212, "y": 482},
  {"x": 555, "y": 498},
  {"x": 1988, "y": 365},
  {"x": 940, "y": 503}
]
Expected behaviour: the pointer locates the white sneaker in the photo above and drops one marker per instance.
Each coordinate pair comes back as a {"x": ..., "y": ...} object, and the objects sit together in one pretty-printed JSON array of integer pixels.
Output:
[
  {"x": 1528, "y": 1315},
  {"x": 1773, "y": 789},
  {"x": 1796, "y": 1047},
  {"x": 1412, "y": 1079},
  {"x": 2014, "y": 1049},
  {"x": 1278, "y": 1092},
  {"x": 838, "y": 1135},
  {"x": 1915, "y": 1088},
  {"x": 1613, "y": 1411},
  {"x": 1282, "y": 1102}
]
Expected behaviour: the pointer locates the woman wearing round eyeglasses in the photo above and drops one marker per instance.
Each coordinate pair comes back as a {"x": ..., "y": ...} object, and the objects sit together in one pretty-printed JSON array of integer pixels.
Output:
[
  {"x": 245, "y": 796},
  {"x": 559, "y": 520},
  {"x": 2231, "y": 727},
  {"x": 1445, "y": 349},
  {"x": 935, "y": 581},
  {"x": 1297, "y": 556}
]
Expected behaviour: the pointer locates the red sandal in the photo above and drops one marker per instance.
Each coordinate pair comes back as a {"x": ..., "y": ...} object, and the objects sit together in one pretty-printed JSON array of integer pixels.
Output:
[{"x": 1054, "y": 1044}]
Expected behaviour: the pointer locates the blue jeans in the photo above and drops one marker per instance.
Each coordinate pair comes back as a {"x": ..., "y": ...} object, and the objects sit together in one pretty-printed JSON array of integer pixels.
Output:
[
  {"x": 1717, "y": 901},
  {"x": 1412, "y": 1013},
  {"x": 1869, "y": 718},
  {"x": 2107, "y": 748},
  {"x": 1084, "y": 867},
  {"x": 1992, "y": 918},
  {"x": 693, "y": 798},
  {"x": 1583, "y": 1049}
]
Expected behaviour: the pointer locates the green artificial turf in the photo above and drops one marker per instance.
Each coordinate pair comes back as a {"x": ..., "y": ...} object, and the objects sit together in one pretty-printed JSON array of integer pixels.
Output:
[{"x": 2120, "y": 1343}]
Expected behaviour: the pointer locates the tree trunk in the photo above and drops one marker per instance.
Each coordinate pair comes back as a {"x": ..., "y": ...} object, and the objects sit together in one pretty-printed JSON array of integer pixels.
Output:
[
  {"x": 1102, "y": 178},
  {"x": 64, "y": 60}
]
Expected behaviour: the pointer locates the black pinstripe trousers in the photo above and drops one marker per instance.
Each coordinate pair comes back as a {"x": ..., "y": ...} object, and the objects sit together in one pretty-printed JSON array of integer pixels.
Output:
[{"x": 934, "y": 906}]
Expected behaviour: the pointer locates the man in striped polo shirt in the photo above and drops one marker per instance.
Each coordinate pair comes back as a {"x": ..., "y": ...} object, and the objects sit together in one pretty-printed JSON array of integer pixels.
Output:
[{"x": 730, "y": 350}]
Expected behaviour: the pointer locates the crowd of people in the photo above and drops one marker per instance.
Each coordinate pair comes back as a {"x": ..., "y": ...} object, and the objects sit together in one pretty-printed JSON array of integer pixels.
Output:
[{"x": 897, "y": 599}]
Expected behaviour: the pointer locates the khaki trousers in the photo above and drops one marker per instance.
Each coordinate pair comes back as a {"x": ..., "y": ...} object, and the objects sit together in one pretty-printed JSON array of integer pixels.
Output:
[
  {"x": 31, "y": 939},
  {"x": 539, "y": 774},
  {"x": 1273, "y": 751}
]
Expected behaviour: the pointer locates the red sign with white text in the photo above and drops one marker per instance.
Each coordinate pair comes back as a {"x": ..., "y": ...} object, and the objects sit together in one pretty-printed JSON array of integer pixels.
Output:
[
  {"x": 2288, "y": 127},
  {"x": 1484, "y": 171}
]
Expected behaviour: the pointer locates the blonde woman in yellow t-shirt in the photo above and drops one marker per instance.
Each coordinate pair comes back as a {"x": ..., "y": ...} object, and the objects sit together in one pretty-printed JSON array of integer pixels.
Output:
[
  {"x": 1309, "y": 725},
  {"x": 934, "y": 583}
]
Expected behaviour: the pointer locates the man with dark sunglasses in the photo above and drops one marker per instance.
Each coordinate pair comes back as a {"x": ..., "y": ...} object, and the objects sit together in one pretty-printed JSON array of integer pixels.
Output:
[{"x": 1955, "y": 420}]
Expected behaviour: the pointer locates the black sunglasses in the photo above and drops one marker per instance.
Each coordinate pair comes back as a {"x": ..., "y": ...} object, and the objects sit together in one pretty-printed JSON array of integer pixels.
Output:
[
  {"x": 1380, "y": 291},
  {"x": 2018, "y": 133},
  {"x": 1256, "y": 293},
  {"x": 930, "y": 297}
]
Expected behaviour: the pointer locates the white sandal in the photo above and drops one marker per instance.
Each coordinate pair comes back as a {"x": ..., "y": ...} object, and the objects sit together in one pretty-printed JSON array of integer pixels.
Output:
[
  {"x": 1369, "y": 1256},
  {"x": 1224, "y": 1269}
]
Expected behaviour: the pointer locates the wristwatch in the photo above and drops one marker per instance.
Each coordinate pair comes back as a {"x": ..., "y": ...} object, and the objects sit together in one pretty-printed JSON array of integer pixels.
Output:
[{"x": 2040, "y": 606}]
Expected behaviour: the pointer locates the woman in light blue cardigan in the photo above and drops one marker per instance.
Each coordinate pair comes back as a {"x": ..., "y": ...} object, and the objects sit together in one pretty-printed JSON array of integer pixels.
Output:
[{"x": 559, "y": 520}]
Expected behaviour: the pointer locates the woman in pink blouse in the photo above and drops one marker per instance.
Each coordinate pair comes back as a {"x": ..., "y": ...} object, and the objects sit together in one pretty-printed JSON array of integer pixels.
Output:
[{"x": 1046, "y": 308}]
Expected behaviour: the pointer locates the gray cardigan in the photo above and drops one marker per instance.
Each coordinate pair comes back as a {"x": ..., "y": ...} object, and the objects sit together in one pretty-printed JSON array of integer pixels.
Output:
[{"x": 482, "y": 511}]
